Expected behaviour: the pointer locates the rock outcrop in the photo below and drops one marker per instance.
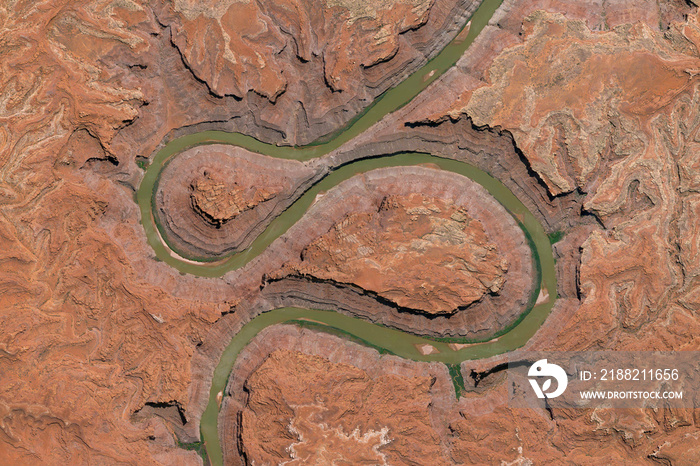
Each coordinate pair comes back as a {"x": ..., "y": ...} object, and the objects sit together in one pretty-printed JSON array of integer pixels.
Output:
[
  {"x": 85, "y": 340},
  {"x": 364, "y": 420},
  {"x": 362, "y": 408},
  {"x": 303, "y": 385},
  {"x": 218, "y": 200},
  {"x": 248, "y": 38},
  {"x": 423, "y": 248},
  {"x": 420, "y": 253},
  {"x": 215, "y": 199},
  {"x": 104, "y": 349},
  {"x": 619, "y": 139}
]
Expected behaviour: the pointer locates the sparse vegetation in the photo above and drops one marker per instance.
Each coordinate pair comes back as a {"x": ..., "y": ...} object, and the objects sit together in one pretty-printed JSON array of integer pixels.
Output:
[
  {"x": 457, "y": 379},
  {"x": 555, "y": 237},
  {"x": 197, "y": 447}
]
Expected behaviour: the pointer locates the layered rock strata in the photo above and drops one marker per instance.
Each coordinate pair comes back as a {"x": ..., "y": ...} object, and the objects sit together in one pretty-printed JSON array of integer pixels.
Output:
[
  {"x": 621, "y": 437},
  {"x": 453, "y": 252},
  {"x": 419, "y": 253},
  {"x": 625, "y": 142},
  {"x": 613, "y": 436},
  {"x": 86, "y": 338},
  {"x": 216, "y": 199},
  {"x": 94, "y": 328}
]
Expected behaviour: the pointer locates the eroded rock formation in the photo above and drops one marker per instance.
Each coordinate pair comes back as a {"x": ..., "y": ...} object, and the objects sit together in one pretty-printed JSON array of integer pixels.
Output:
[
  {"x": 215, "y": 199},
  {"x": 93, "y": 327},
  {"x": 266, "y": 387},
  {"x": 357, "y": 412},
  {"x": 219, "y": 200},
  {"x": 346, "y": 416},
  {"x": 249, "y": 36},
  {"x": 407, "y": 260},
  {"x": 302, "y": 67},
  {"x": 420, "y": 253},
  {"x": 85, "y": 340},
  {"x": 615, "y": 124}
]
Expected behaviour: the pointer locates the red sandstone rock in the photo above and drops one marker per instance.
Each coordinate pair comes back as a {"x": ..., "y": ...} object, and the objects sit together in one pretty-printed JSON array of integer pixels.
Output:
[
  {"x": 266, "y": 388},
  {"x": 620, "y": 159},
  {"x": 216, "y": 199},
  {"x": 421, "y": 253},
  {"x": 361, "y": 409},
  {"x": 304, "y": 68},
  {"x": 628, "y": 273},
  {"x": 235, "y": 46},
  {"x": 346, "y": 416},
  {"x": 419, "y": 246},
  {"x": 93, "y": 327},
  {"x": 85, "y": 339}
]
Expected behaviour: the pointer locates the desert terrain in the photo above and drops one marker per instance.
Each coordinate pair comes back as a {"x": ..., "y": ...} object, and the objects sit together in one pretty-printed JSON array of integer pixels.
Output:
[{"x": 138, "y": 243}]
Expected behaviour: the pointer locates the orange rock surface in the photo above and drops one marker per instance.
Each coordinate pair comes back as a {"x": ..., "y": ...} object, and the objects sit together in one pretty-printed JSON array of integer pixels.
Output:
[
  {"x": 219, "y": 201},
  {"x": 216, "y": 198},
  {"x": 609, "y": 114},
  {"x": 266, "y": 391},
  {"x": 571, "y": 97},
  {"x": 289, "y": 275},
  {"x": 296, "y": 70},
  {"x": 345, "y": 417},
  {"x": 234, "y": 46},
  {"x": 85, "y": 339},
  {"x": 94, "y": 330},
  {"x": 390, "y": 251}
]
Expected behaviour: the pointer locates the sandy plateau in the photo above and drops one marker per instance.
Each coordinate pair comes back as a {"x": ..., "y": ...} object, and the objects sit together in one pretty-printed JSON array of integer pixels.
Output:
[{"x": 586, "y": 110}]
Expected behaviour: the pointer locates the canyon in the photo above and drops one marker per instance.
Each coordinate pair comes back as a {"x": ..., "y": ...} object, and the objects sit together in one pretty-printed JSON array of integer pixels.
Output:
[{"x": 585, "y": 111}]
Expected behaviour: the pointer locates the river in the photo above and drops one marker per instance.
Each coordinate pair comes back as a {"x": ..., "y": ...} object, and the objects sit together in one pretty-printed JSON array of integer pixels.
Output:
[{"x": 391, "y": 340}]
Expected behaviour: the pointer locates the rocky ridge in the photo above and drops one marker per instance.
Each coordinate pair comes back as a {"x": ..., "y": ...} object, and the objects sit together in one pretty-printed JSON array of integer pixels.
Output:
[
  {"x": 477, "y": 428},
  {"x": 364, "y": 408},
  {"x": 638, "y": 198},
  {"x": 364, "y": 196},
  {"x": 293, "y": 86},
  {"x": 218, "y": 200}
]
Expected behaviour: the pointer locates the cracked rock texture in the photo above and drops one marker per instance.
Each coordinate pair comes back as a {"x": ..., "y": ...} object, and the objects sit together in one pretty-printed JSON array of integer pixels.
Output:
[
  {"x": 85, "y": 340},
  {"x": 610, "y": 114},
  {"x": 364, "y": 420},
  {"x": 363, "y": 408},
  {"x": 249, "y": 36},
  {"x": 265, "y": 389},
  {"x": 93, "y": 327},
  {"x": 219, "y": 200},
  {"x": 435, "y": 256}
]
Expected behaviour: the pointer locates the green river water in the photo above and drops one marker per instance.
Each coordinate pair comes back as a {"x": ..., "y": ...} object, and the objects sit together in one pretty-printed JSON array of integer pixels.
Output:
[{"x": 390, "y": 340}]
